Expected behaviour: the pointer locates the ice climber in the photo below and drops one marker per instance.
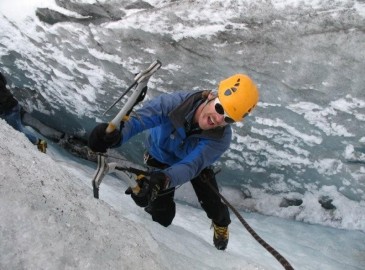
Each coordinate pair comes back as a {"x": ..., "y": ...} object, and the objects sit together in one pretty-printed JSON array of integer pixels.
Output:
[
  {"x": 10, "y": 112},
  {"x": 188, "y": 132}
]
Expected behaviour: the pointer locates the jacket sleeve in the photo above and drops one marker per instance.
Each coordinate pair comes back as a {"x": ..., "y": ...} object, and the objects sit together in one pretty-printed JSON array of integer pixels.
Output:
[
  {"x": 204, "y": 155},
  {"x": 151, "y": 114}
]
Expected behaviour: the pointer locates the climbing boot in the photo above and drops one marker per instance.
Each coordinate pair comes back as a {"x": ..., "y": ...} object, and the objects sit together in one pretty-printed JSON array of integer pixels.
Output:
[
  {"x": 42, "y": 146},
  {"x": 220, "y": 237}
]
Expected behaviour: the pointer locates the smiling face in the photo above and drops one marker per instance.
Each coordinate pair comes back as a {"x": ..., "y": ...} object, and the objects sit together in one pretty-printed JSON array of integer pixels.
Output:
[{"x": 207, "y": 117}]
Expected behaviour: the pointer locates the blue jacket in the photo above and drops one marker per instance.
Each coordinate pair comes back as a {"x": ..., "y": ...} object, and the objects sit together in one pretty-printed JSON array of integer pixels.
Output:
[{"x": 165, "y": 117}]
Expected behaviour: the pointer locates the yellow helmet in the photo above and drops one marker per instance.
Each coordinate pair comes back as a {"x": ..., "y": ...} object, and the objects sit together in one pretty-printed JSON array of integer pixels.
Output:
[{"x": 238, "y": 95}]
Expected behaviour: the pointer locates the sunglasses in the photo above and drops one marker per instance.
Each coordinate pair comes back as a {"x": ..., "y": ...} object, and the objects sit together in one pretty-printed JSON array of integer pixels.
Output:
[{"x": 219, "y": 109}]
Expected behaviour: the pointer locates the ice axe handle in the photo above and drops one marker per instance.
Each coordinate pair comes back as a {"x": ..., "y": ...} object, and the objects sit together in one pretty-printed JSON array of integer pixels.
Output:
[{"x": 111, "y": 127}]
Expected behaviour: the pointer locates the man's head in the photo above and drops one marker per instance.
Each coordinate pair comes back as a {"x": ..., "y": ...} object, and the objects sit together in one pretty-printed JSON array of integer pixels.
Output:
[{"x": 237, "y": 96}]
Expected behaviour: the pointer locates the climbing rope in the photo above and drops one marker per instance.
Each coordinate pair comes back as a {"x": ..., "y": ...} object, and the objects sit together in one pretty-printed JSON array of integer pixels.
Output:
[{"x": 262, "y": 242}]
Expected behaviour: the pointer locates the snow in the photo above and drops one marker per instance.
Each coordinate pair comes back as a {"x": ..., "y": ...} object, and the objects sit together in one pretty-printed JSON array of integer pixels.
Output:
[{"x": 50, "y": 220}]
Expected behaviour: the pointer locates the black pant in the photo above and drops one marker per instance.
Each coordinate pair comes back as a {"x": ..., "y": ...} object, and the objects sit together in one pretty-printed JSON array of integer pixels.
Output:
[{"x": 163, "y": 208}]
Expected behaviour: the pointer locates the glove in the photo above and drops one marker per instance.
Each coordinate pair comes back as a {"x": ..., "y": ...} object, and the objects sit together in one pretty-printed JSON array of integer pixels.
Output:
[
  {"x": 141, "y": 199},
  {"x": 100, "y": 141},
  {"x": 149, "y": 188},
  {"x": 158, "y": 182}
]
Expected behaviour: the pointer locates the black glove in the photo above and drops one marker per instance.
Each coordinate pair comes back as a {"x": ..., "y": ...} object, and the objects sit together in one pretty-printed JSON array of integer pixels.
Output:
[
  {"x": 158, "y": 182},
  {"x": 141, "y": 199},
  {"x": 149, "y": 188},
  {"x": 100, "y": 141}
]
